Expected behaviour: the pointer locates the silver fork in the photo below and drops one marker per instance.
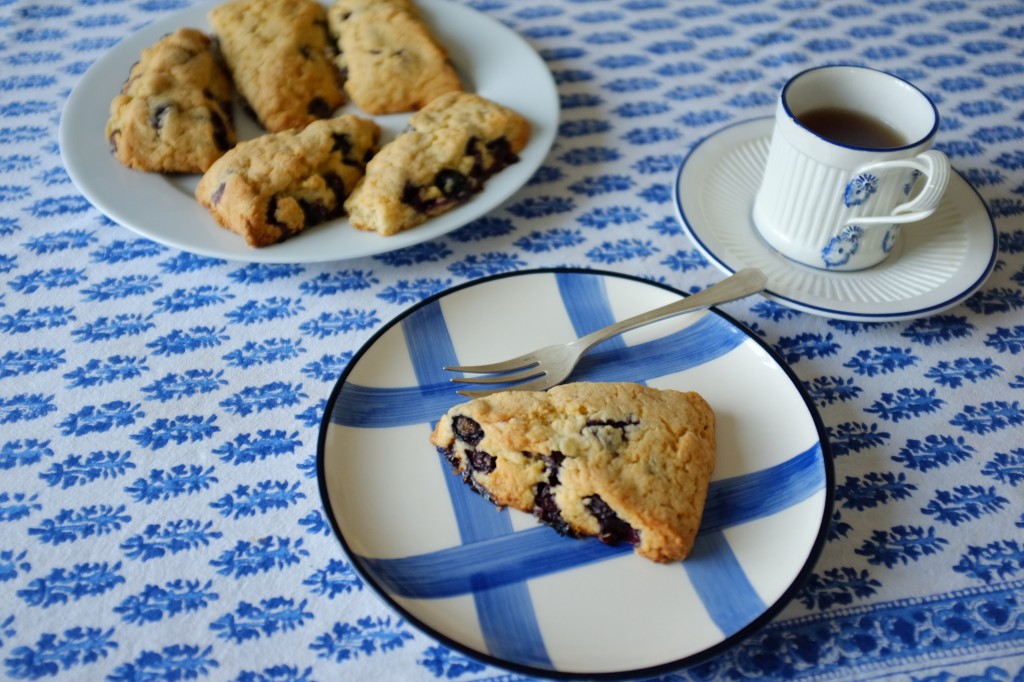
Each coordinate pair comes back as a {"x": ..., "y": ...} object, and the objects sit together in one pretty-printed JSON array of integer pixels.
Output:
[{"x": 541, "y": 369}]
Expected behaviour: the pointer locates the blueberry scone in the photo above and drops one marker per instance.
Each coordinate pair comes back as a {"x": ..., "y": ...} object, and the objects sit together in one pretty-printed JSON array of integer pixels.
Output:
[
  {"x": 390, "y": 59},
  {"x": 173, "y": 114},
  {"x": 281, "y": 59},
  {"x": 450, "y": 149},
  {"x": 276, "y": 185},
  {"x": 619, "y": 461}
]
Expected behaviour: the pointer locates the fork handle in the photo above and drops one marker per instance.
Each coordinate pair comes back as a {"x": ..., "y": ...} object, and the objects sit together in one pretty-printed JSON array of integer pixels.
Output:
[{"x": 739, "y": 285}]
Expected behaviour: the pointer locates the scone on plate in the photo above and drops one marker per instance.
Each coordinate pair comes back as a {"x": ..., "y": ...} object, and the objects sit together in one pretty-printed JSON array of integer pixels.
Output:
[
  {"x": 274, "y": 186},
  {"x": 281, "y": 59},
  {"x": 391, "y": 61},
  {"x": 450, "y": 149},
  {"x": 173, "y": 114},
  {"x": 620, "y": 461}
]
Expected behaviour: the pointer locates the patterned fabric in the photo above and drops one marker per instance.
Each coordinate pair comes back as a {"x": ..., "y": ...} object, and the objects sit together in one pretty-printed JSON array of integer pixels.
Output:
[{"x": 159, "y": 411}]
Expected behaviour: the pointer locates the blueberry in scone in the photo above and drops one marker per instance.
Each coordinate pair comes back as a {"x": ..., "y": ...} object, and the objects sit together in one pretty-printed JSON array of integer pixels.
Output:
[
  {"x": 448, "y": 152},
  {"x": 281, "y": 59},
  {"x": 619, "y": 461},
  {"x": 390, "y": 60},
  {"x": 274, "y": 186},
  {"x": 173, "y": 113}
]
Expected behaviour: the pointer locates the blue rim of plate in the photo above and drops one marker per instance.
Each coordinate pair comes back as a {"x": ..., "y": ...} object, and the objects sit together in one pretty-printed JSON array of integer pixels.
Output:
[
  {"x": 731, "y": 266},
  {"x": 367, "y": 570}
]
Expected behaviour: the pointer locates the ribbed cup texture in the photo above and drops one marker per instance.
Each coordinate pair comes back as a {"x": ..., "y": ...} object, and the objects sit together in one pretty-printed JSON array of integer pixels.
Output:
[{"x": 800, "y": 206}]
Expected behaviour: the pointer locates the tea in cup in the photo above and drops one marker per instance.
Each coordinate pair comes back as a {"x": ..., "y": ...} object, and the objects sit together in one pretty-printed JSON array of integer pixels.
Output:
[{"x": 849, "y": 162}]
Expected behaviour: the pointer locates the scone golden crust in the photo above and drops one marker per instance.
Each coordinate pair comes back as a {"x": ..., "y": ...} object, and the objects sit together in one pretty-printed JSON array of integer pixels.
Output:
[
  {"x": 281, "y": 59},
  {"x": 620, "y": 461},
  {"x": 390, "y": 59},
  {"x": 173, "y": 114},
  {"x": 276, "y": 185},
  {"x": 452, "y": 146}
]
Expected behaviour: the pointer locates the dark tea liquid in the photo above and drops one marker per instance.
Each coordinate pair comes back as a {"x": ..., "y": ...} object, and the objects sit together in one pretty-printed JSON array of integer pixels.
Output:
[{"x": 852, "y": 128}]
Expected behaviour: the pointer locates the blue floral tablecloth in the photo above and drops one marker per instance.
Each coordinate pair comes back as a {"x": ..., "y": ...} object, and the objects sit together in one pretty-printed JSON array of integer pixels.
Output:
[{"x": 159, "y": 411}]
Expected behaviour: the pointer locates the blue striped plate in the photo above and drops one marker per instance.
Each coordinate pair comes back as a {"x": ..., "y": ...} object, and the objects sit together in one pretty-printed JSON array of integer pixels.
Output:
[{"x": 499, "y": 587}]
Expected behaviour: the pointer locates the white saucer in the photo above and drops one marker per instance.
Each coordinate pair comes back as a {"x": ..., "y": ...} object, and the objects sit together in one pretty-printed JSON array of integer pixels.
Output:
[{"x": 936, "y": 263}]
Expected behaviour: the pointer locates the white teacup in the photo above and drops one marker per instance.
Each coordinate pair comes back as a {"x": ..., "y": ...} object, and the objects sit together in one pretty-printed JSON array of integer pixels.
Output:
[{"x": 847, "y": 151}]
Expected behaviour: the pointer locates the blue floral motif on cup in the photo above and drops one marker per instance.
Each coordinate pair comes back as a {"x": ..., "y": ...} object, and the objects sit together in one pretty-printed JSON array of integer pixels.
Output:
[
  {"x": 908, "y": 188},
  {"x": 890, "y": 238},
  {"x": 859, "y": 189},
  {"x": 841, "y": 248}
]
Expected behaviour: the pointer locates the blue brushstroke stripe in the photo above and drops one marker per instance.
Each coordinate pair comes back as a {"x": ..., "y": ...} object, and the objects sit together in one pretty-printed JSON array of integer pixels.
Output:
[
  {"x": 586, "y": 301},
  {"x": 430, "y": 348},
  {"x": 709, "y": 338},
  {"x": 429, "y": 344},
  {"x": 383, "y": 408},
  {"x": 721, "y": 584},
  {"x": 540, "y": 551},
  {"x": 488, "y": 564},
  {"x": 508, "y": 608},
  {"x": 765, "y": 492}
]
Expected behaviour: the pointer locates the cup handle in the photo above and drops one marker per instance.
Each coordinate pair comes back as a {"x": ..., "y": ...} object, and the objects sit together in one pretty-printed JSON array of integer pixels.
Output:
[{"x": 934, "y": 165}]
